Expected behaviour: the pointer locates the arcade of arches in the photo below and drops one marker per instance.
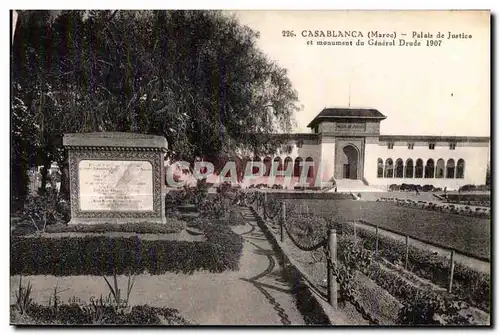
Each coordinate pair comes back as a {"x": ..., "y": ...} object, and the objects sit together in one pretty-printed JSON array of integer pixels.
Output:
[
  {"x": 278, "y": 164},
  {"x": 431, "y": 169}
]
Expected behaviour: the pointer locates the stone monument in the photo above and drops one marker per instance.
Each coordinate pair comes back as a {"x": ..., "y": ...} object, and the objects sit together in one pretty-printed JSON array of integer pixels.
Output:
[{"x": 116, "y": 177}]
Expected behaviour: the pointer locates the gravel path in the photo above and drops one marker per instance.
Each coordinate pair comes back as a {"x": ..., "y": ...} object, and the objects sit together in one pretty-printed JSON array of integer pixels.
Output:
[{"x": 254, "y": 295}]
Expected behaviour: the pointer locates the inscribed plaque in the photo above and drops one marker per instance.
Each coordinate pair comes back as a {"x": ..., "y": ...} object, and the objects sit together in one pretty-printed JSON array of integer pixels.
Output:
[{"x": 107, "y": 185}]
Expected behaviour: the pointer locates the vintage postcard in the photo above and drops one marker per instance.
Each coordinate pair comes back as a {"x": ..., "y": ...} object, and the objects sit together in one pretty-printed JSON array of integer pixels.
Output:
[{"x": 206, "y": 167}]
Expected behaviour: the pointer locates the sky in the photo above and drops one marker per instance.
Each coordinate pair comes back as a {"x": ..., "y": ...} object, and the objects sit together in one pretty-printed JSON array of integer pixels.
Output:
[{"x": 443, "y": 90}]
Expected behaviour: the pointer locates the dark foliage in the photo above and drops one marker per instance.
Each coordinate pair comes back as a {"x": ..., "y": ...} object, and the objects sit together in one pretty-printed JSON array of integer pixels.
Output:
[
  {"x": 468, "y": 284},
  {"x": 172, "y": 226},
  {"x": 75, "y": 314},
  {"x": 102, "y": 255}
]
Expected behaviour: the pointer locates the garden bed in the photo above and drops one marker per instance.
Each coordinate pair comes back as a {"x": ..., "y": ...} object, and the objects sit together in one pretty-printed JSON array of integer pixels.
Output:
[
  {"x": 75, "y": 314},
  {"x": 470, "y": 199},
  {"x": 172, "y": 225},
  {"x": 184, "y": 235},
  {"x": 467, "y": 234},
  {"x": 468, "y": 284},
  {"x": 103, "y": 255}
]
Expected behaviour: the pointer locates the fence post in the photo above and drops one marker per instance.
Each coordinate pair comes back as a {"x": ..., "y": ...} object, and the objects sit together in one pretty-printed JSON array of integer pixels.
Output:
[
  {"x": 407, "y": 249},
  {"x": 452, "y": 269},
  {"x": 264, "y": 205},
  {"x": 376, "y": 240},
  {"x": 282, "y": 221},
  {"x": 257, "y": 202},
  {"x": 332, "y": 279}
]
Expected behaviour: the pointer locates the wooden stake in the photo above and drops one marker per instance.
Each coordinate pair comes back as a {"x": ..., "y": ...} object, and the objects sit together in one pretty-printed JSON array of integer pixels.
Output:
[
  {"x": 283, "y": 218},
  {"x": 452, "y": 269},
  {"x": 264, "y": 207},
  {"x": 332, "y": 279},
  {"x": 407, "y": 251}
]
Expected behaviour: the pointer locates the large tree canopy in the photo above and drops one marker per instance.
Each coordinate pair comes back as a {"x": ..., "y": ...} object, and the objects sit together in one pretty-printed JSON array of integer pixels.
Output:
[{"x": 195, "y": 77}]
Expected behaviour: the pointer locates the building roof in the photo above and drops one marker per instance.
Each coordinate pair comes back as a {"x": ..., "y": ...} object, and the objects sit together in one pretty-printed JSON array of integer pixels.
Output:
[
  {"x": 434, "y": 138},
  {"x": 346, "y": 113}
]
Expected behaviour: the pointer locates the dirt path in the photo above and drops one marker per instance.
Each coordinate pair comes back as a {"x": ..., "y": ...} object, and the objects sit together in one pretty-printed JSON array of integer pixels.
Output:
[
  {"x": 254, "y": 295},
  {"x": 473, "y": 263}
]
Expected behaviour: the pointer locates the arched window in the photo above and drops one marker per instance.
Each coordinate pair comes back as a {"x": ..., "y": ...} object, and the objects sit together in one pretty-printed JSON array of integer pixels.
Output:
[
  {"x": 297, "y": 168},
  {"x": 255, "y": 169},
  {"x": 288, "y": 161},
  {"x": 277, "y": 164},
  {"x": 440, "y": 168},
  {"x": 267, "y": 164},
  {"x": 429, "y": 168},
  {"x": 409, "y": 168},
  {"x": 241, "y": 166},
  {"x": 399, "y": 168},
  {"x": 380, "y": 168},
  {"x": 450, "y": 169},
  {"x": 419, "y": 168},
  {"x": 389, "y": 168},
  {"x": 310, "y": 169},
  {"x": 460, "y": 168},
  {"x": 245, "y": 162}
]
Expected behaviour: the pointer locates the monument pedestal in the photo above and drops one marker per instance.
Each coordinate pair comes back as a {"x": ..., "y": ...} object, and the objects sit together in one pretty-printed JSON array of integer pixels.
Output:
[{"x": 116, "y": 178}]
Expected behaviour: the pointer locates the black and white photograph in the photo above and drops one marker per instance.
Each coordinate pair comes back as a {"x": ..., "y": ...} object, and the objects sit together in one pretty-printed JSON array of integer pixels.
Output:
[{"x": 250, "y": 168}]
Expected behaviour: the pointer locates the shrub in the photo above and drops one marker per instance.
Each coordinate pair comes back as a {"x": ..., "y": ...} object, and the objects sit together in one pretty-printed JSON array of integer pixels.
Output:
[
  {"x": 428, "y": 188},
  {"x": 78, "y": 314},
  {"x": 407, "y": 187},
  {"x": 101, "y": 255},
  {"x": 428, "y": 308},
  {"x": 308, "y": 228},
  {"x": 44, "y": 210},
  {"x": 470, "y": 285},
  {"x": 173, "y": 225},
  {"x": 224, "y": 188},
  {"x": 421, "y": 305},
  {"x": 23, "y": 296},
  {"x": 235, "y": 218},
  {"x": 394, "y": 187},
  {"x": 218, "y": 207}
]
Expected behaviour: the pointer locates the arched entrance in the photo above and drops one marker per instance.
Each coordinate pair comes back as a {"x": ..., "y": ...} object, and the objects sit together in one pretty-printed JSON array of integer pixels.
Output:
[{"x": 350, "y": 162}]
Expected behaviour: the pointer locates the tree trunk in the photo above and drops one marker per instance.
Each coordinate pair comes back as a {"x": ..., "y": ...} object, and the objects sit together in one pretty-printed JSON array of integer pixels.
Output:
[
  {"x": 45, "y": 172},
  {"x": 64, "y": 190}
]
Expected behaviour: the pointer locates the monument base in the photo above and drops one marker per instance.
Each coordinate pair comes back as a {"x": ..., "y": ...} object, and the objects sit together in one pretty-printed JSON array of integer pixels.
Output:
[{"x": 93, "y": 221}]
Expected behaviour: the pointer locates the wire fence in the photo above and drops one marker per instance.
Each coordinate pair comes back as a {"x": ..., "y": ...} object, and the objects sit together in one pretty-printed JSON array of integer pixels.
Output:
[{"x": 339, "y": 276}]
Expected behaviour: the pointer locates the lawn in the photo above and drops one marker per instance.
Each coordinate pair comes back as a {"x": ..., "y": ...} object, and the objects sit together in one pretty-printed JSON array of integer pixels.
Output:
[{"x": 468, "y": 234}]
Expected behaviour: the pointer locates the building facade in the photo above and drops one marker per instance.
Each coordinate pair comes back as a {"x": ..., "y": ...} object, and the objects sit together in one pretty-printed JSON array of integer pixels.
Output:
[{"x": 346, "y": 144}]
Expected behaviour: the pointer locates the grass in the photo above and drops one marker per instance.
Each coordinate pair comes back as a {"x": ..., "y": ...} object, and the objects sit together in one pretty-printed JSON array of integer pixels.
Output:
[{"x": 468, "y": 234}]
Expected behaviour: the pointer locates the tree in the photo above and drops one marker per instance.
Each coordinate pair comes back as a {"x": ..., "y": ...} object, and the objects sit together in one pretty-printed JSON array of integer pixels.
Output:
[
  {"x": 195, "y": 77},
  {"x": 488, "y": 174}
]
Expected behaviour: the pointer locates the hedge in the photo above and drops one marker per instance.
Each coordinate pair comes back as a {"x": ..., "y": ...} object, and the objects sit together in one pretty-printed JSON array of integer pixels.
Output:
[
  {"x": 102, "y": 255},
  {"x": 172, "y": 226},
  {"x": 74, "y": 314}
]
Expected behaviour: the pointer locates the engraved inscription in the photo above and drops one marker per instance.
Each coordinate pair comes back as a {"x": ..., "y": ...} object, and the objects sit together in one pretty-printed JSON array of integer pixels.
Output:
[
  {"x": 107, "y": 185},
  {"x": 353, "y": 126}
]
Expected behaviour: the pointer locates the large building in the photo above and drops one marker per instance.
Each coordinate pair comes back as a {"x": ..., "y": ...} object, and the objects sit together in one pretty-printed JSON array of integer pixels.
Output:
[{"x": 348, "y": 145}]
